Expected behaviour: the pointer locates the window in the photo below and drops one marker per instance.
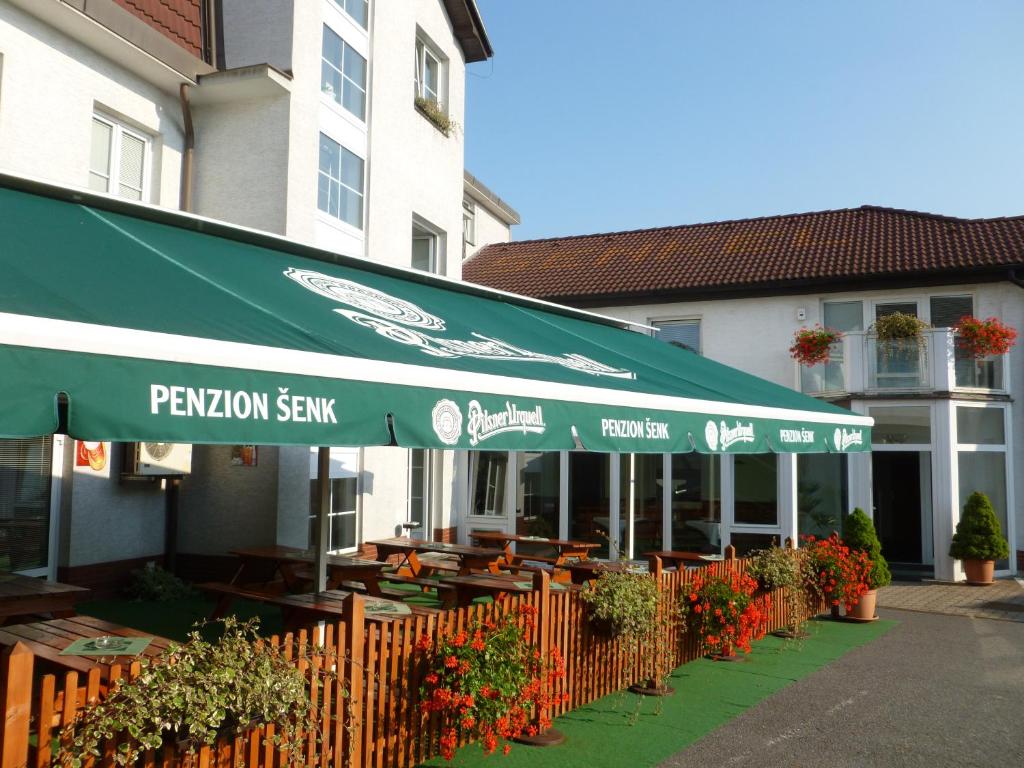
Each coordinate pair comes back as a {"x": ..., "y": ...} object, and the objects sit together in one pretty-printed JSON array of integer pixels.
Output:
[
  {"x": 468, "y": 222},
  {"x": 756, "y": 489},
  {"x": 946, "y": 311},
  {"x": 343, "y": 517},
  {"x": 427, "y": 248},
  {"x": 489, "y": 471},
  {"x": 981, "y": 461},
  {"x": 537, "y": 492},
  {"x": 696, "y": 502},
  {"x": 343, "y": 74},
  {"x": 901, "y": 425},
  {"x": 822, "y": 493},
  {"x": 25, "y": 503},
  {"x": 340, "y": 189},
  {"x": 419, "y": 490},
  {"x": 359, "y": 10},
  {"x": 117, "y": 159},
  {"x": 682, "y": 333},
  {"x": 429, "y": 68}
]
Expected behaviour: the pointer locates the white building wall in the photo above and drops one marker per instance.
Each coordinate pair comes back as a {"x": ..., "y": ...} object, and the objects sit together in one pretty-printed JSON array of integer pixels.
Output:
[
  {"x": 50, "y": 86},
  {"x": 489, "y": 230}
]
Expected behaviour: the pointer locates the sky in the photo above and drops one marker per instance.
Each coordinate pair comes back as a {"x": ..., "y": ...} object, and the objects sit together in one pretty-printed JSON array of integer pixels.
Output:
[{"x": 598, "y": 116}]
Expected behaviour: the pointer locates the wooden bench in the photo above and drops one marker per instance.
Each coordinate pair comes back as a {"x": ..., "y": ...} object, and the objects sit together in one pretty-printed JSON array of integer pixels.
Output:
[{"x": 226, "y": 594}]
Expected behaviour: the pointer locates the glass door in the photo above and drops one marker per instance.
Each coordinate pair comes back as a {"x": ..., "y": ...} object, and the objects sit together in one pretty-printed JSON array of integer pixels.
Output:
[
  {"x": 343, "y": 527},
  {"x": 489, "y": 504}
]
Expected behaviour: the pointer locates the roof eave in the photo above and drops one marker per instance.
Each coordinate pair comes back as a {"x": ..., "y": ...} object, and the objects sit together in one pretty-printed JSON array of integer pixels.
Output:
[{"x": 468, "y": 26}]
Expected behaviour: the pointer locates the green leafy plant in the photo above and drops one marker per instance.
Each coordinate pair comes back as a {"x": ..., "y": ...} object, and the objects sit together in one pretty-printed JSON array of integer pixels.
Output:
[
  {"x": 978, "y": 534},
  {"x": 433, "y": 111},
  {"x": 724, "y": 612},
  {"x": 153, "y": 583},
  {"x": 626, "y": 603},
  {"x": 899, "y": 334},
  {"x": 194, "y": 692},
  {"x": 777, "y": 568},
  {"x": 859, "y": 532}
]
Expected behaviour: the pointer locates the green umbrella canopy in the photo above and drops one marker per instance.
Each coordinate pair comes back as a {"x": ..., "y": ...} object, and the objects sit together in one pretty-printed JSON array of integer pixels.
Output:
[{"x": 161, "y": 326}]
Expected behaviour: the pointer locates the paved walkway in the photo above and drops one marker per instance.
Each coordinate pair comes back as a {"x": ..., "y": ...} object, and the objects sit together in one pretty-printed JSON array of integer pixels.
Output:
[
  {"x": 934, "y": 691},
  {"x": 1003, "y": 600}
]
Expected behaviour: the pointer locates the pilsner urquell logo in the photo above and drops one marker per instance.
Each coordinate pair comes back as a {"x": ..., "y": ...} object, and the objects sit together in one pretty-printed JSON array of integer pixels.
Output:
[
  {"x": 483, "y": 424},
  {"x": 843, "y": 439},
  {"x": 726, "y": 435}
]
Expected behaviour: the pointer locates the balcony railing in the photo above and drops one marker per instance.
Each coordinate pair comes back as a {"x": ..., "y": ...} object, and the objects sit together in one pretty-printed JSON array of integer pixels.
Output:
[{"x": 861, "y": 364}]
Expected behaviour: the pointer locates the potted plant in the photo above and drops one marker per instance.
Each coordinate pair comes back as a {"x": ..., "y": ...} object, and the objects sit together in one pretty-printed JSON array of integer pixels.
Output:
[
  {"x": 193, "y": 693},
  {"x": 723, "y": 611},
  {"x": 861, "y": 536},
  {"x": 899, "y": 334},
  {"x": 630, "y": 605},
  {"x": 776, "y": 568},
  {"x": 487, "y": 681},
  {"x": 835, "y": 573},
  {"x": 983, "y": 338},
  {"x": 812, "y": 346},
  {"x": 979, "y": 540}
]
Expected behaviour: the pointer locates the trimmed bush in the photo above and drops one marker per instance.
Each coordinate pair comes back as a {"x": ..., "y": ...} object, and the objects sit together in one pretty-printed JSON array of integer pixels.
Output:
[
  {"x": 860, "y": 534},
  {"x": 978, "y": 534}
]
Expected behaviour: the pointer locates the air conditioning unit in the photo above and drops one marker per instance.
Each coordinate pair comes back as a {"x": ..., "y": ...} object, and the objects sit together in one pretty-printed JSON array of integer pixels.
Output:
[{"x": 159, "y": 459}]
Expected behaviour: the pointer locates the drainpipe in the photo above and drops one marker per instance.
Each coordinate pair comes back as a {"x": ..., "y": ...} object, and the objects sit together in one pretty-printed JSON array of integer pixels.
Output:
[{"x": 185, "y": 201}]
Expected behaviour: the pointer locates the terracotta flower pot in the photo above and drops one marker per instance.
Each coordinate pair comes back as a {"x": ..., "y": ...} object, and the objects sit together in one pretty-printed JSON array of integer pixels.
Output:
[
  {"x": 979, "y": 572},
  {"x": 864, "y": 610}
]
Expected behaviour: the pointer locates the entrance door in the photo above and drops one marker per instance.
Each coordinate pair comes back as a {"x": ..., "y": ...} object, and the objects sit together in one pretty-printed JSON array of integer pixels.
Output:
[{"x": 902, "y": 508}]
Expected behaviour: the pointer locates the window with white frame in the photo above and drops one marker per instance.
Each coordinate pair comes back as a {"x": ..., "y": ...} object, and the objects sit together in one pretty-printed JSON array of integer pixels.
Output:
[
  {"x": 683, "y": 333},
  {"x": 419, "y": 490},
  {"x": 118, "y": 159},
  {"x": 981, "y": 461},
  {"x": 429, "y": 73},
  {"x": 359, "y": 10},
  {"x": 340, "y": 183},
  {"x": 343, "y": 73},
  {"x": 468, "y": 222},
  {"x": 427, "y": 248}
]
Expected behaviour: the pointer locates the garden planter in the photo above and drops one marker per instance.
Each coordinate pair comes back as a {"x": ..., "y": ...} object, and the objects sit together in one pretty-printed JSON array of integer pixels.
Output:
[
  {"x": 651, "y": 688},
  {"x": 833, "y": 612},
  {"x": 979, "y": 572},
  {"x": 726, "y": 657},
  {"x": 791, "y": 634},
  {"x": 549, "y": 738},
  {"x": 864, "y": 610}
]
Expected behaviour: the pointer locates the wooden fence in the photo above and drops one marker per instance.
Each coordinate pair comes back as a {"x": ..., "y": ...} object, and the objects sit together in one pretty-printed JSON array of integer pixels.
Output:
[{"x": 364, "y": 680}]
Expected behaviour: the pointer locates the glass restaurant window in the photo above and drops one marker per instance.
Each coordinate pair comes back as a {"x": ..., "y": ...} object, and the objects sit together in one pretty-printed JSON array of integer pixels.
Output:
[
  {"x": 25, "y": 503},
  {"x": 590, "y": 500},
  {"x": 696, "y": 503},
  {"x": 537, "y": 500},
  {"x": 822, "y": 494},
  {"x": 757, "y": 489},
  {"x": 489, "y": 471}
]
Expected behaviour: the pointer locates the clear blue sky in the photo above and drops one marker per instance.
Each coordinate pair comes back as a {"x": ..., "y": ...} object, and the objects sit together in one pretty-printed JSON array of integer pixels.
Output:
[{"x": 599, "y": 116}]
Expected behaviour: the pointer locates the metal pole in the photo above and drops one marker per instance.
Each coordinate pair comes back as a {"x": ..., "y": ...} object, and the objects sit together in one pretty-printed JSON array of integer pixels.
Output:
[{"x": 323, "y": 486}]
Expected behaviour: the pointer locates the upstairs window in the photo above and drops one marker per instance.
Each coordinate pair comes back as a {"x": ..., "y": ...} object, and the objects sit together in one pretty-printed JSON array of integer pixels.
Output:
[
  {"x": 340, "y": 184},
  {"x": 946, "y": 311},
  {"x": 429, "y": 72},
  {"x": 359, "y": 10},
  {"x": 117, "y": 159},
  {"x": 427, "y": 248},
  {"x": 468, "y": 222},
  {"x": 682, "y": 333},
  {"x": 343, "y": 74}
]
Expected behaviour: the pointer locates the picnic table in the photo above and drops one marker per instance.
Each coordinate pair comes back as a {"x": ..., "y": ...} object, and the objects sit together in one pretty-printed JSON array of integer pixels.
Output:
[
  {"x": 26, "y": 595},
  {"x": 566, "y": 550},
  {"x": 675, "y": 559},
  {"x": 588, "y": 570},
  {"x": 468, "y": 558},
  {"x": 294, "y": 566},
  {"x": 497, "y": 586},
  {"x": 46, "y": 639}
]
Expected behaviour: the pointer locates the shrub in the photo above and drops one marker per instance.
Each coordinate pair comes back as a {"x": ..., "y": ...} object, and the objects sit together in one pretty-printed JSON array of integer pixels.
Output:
[
  {"x": 724, "y": 612},
  {"x": 860, "y": 535},
  {"x": 625, "y": 602},
  {"x": 193, "y": 692},
  {"x": 155, "y": 584},
  {"x": 777, "y": 568},
  {"x": 978, "y": 534},
  {"x": 486, "y": 681}
]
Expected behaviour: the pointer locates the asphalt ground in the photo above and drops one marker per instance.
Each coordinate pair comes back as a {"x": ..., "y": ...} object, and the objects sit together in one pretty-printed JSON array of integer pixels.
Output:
[{"x": 936, "y": 690}]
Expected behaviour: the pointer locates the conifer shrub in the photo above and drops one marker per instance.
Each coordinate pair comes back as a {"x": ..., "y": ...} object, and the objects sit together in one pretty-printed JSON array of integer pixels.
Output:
[
  {"x": 860, "y": 535},
  {"x": 978, "y": 534}
]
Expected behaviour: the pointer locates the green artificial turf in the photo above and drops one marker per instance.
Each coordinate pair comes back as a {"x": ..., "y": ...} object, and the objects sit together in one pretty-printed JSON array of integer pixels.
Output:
[
  {"x": 174, "y": 618},
  {"x": 624, "y": 730}
]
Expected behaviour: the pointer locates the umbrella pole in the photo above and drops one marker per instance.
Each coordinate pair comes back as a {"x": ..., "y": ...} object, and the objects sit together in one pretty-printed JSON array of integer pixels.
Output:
[{"x": 323, "y": 487}]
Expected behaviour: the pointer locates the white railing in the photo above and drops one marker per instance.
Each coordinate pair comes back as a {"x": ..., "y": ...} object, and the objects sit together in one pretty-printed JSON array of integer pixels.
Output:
[{"x": 860, "y": 363}]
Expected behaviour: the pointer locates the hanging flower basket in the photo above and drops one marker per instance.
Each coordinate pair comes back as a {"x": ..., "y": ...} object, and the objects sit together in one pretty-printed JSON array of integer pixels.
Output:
[
  {"x": 812, "y": 346},
  {"x": 899, "y": 334},
  {"x": 983, "y": 338}
]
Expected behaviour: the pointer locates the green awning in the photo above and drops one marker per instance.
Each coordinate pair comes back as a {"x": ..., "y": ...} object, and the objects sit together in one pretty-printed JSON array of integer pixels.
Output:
[{"x": 160, "y": 326}]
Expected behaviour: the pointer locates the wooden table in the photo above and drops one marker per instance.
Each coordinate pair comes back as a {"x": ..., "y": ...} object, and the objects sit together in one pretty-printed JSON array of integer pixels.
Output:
[
  {"x": 469, "y": 558},
  {"x": 588, "y": 570},
  {"x": 674, "y": 559},
  {"x": 309, "y": 608},
  {"x": 566, "y": 549},
  {"x": 46, "y": 639},
  {"x": 468, "y": 588},
  {"x": 294, "y": 566},
  {"x": 25, "y": 595}
]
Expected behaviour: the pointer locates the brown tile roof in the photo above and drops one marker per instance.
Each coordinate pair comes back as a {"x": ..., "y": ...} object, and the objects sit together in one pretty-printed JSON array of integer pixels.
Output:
[
  {"x": 178, "y": 20},
  {"x": 771, "y": 253}
]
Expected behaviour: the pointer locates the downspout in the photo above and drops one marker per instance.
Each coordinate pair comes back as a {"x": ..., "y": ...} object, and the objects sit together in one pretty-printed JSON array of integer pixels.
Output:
[{"x": 185, "y": 198}]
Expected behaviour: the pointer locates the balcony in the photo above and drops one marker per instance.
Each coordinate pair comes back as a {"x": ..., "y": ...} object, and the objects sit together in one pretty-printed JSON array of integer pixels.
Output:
[{"x": 861, "y": 365}]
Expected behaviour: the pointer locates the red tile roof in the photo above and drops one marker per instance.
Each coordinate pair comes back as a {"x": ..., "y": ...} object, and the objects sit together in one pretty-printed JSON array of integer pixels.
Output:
[
  {"x": 771, "y": 253},
  {"x": 178, "y": 20}
]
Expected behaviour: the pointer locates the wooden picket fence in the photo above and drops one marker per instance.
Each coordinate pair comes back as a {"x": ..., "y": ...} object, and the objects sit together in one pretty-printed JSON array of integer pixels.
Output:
[{"x": 364, "y": 679}]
